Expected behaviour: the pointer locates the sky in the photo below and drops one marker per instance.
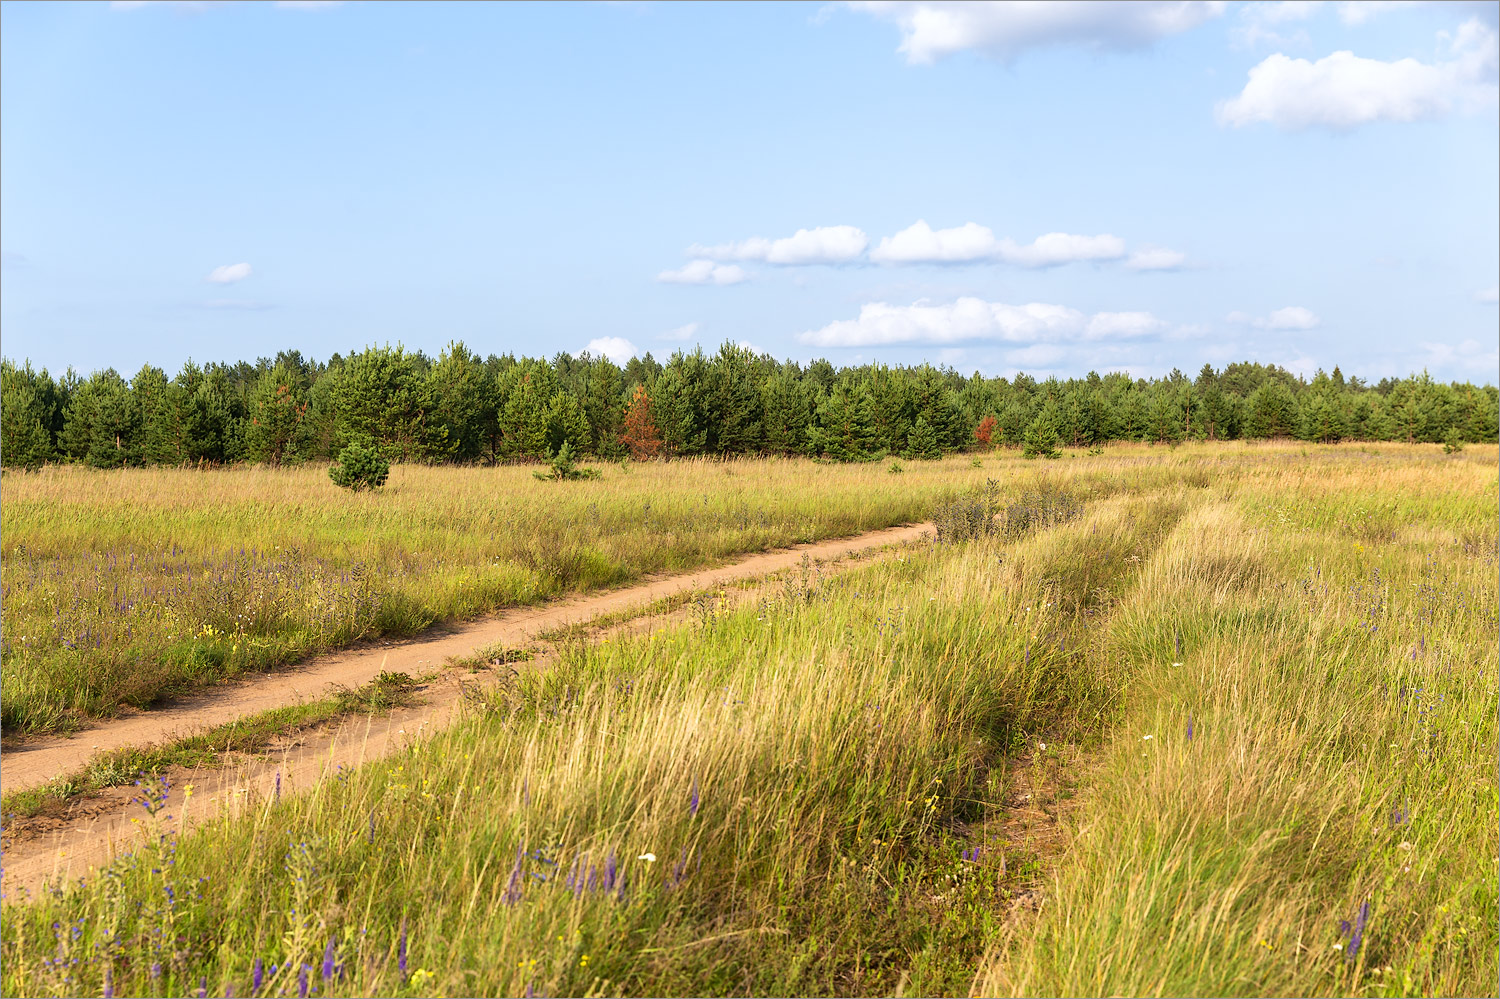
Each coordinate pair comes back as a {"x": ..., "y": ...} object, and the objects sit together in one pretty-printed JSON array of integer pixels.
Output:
[{"x": 1043, "y": 187}]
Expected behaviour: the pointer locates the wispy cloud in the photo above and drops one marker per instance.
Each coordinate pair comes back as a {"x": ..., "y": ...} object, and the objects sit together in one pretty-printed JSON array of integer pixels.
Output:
[
  {"x": 228, "y": 273},
  {"x": 704, "y": 272},
  {"x": 684, "y": 332},
  {"x": 932, "y": 29},
  {"x": 834, "y": 244},
  {"x": 236, "y": 305},
  {"x": 1293, "y": 317},
  {"x": 1156, "y": 258}
]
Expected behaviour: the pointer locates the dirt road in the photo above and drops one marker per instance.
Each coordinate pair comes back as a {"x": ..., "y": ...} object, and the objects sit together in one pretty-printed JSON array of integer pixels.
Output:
[{"x": 92, "y": 829}]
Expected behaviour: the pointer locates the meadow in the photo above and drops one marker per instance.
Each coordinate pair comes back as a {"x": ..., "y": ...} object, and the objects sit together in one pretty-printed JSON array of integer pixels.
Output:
[
  {"x": 1256, "y": 686},
  {"x": 127, "y": 586}
]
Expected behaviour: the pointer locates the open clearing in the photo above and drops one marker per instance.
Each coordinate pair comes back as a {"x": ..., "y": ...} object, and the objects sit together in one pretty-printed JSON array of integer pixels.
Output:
[{"x": 1214, "y": 720}]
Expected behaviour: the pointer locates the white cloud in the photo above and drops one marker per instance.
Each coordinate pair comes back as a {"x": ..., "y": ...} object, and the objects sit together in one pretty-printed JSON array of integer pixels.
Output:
[
  {"x": 1155, "y": 258},
  {"x": 1117, "y": 325},
  {"x": 920, "y": 243},
  {"x": 932, "y": 29},
  {"x": 684, "y": 332},
  {"x": 1293, "y": 317},
  {"x": 1469, "y": 356},
  {"x": 1356, "y": 12},
  {"x": 1259, "y": 22},
  {"x": 704, "y": 272},
  {"x": 1343, "y": 90},
  {"x": 228, "y": 274},
  {"x": 970, "y": 319},
  {"x": 1061, "y": 248},
  {"x": 616, "y": 348},
  {"x": 833, "y": 244},
  {"x": 1491, "y": 295}
]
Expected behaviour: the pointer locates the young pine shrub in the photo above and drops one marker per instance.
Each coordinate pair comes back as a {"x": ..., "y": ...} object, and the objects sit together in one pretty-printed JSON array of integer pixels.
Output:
[
  {"x": 563, "y": 466},
  {"x": 359, "y": 467}
]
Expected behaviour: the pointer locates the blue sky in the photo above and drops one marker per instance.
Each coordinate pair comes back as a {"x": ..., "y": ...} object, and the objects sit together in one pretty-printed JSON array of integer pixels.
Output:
[{"x": 1047, "y": 187}]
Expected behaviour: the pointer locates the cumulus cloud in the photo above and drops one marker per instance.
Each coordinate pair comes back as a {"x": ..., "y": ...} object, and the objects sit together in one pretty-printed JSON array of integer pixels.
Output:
[
  {"x": 228, "y": 273},
  {"x": 920, "y": 243},
  {"x": 684, "y": 332},
  {"x": 932, "y": 29},
  {"x": 616, "y": 348},
  {"x": 1343, "y": 90},
  {"x": 704, "y": 272},
  {"x": 1293, "y": 317},
  {"x": 1061, "y": 248},
  {"x": 1490, "y": 295},
  {"x": 834, "y": 244},
  {"x": 970, "y": 319},
  {"x": 1155, "y": 258}
]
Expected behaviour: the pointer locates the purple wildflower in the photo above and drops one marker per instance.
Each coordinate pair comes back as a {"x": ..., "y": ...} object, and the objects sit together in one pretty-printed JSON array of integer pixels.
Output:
[
  {"x": 693, "y": 803},
  {"x": 1190, "y": 728},
  {"x": 302, "y": 983},
  {"x": 401, "y": 951},
  {"x": 278, "y": 785},
  {"x": 513, "y": 890},
  {"x": 530, "y": 991},
  {"x": 1356, "y": 932},
  {"x": 371, "y": 835},
  {"x": 109, "y": 985},
  {"x": 328, "y": 960},
  {"x": 203, "y": 988},
  {"x": 609, "y": 872},
  {"x": 155, "y": 969},
  {"x": 258, "y": 975}
]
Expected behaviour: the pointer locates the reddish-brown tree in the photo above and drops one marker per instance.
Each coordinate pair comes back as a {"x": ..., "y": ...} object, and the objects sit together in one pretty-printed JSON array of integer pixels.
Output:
[
  {"x": 638, "y": 429},
  {"x": 985, "y": 431}
]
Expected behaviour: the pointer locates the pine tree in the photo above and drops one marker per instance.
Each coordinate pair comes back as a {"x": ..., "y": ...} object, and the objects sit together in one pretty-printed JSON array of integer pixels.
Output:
[
  {"x": 638, "y": 431},
  {"x": 25, "y": 441},
  {"x": 464, "y": 401},
  {"x": 565, "y": 424},
  {"x": 922, "y": 442},
  {"x": 1041, "y": 437}
]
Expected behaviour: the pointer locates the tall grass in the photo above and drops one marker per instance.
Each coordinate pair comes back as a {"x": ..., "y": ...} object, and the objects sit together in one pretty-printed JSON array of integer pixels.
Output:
[
  {"x": 1300, "y": 797},
  {"x": 798, "y": 797},
  {"x": 122, "y": 587}
]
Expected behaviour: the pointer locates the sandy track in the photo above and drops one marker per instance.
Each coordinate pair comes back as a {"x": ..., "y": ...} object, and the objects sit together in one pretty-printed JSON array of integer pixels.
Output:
[{"x": 94, "y": 827}]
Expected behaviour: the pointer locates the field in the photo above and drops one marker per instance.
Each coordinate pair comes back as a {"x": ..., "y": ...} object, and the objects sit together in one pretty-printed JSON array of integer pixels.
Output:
[
  {"x": 1217, "y": 720},
  {"x": 121, "y": 588}
]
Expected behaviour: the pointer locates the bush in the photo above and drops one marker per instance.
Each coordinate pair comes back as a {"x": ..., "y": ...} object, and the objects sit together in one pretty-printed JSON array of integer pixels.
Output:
[
  {"x": 1041, "y": 439},
  {"x": 922, "y": 442},
  {"x": 563, "y": 466},
  {"x": 360, "y": 467},
  {"x": 1454, "y": 442}
]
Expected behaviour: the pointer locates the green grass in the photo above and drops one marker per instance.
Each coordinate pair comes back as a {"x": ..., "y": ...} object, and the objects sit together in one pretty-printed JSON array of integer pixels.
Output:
[
  {"x": 807, "y": 774},
  {"x": 128, "y": 586}
]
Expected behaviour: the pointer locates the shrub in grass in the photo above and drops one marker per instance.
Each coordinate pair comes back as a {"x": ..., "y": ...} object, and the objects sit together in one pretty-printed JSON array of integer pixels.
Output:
[
  {"x": 564, "y": 467},
  {"x": 360, "y": 467}
]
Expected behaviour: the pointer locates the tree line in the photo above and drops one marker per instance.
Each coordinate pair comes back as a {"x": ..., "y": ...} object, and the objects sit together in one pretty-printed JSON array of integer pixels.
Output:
[{"x": 459, "y": 407}]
